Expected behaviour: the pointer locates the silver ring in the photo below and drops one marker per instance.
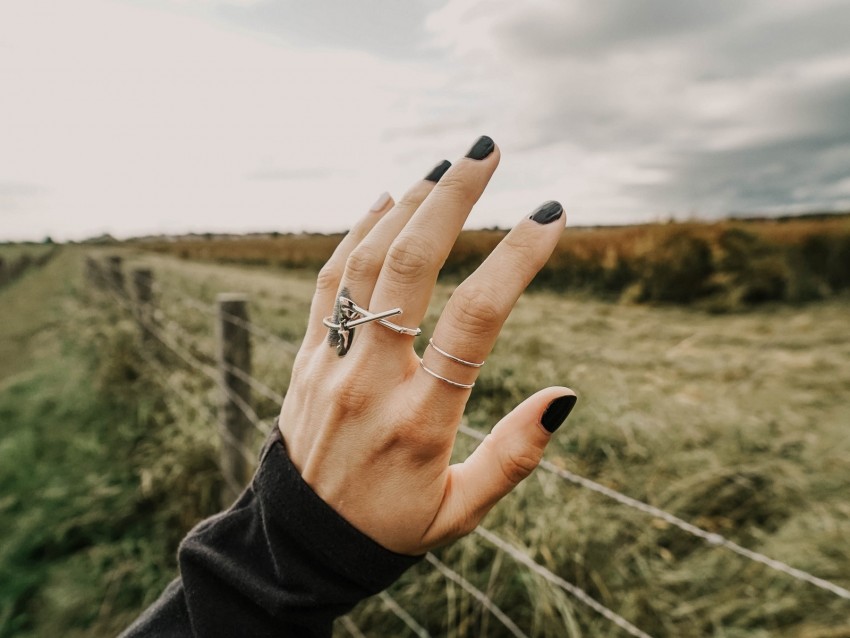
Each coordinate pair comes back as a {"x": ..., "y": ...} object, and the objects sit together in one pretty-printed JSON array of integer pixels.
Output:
[
  {"x": 456, "y": 384},
  {"x": 366, "y": 316},
  {"x": 463, "y": 362},
  {"x": 351, "y": 315}
]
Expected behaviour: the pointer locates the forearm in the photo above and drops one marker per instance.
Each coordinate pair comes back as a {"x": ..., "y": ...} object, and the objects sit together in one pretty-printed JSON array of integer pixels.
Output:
[{"x": 280, "y": 561}]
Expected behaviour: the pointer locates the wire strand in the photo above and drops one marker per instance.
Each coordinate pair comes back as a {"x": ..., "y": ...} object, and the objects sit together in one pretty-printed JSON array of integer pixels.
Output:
[
  {"x": 399, "y": 611},
  {"x": 350, "y": 627},
  {"x": 575, "y": 591},
  {"x": 256, "y": 330},
  {"x": 712, "y": 538},
  {"x": 479, "y": 595}
]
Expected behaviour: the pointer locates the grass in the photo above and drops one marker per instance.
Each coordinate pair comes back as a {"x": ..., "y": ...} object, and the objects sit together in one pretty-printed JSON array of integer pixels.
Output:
[
  {"x": 723, "y": 265},
  {"x": 85, "y": 543},
  {"x": 734, "y": 422}
]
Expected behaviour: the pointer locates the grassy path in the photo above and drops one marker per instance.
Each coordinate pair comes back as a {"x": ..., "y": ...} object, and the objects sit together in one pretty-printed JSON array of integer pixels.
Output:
[{"x": 81, "y": 548}]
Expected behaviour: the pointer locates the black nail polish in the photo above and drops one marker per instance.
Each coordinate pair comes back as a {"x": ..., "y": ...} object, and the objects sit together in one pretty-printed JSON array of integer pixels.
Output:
[
  {"x": 438, "y": 171},
  {"x": 482, "y": 148},
  {"x": 557, "y": 412},
  {"x": 547, "y": 213}
]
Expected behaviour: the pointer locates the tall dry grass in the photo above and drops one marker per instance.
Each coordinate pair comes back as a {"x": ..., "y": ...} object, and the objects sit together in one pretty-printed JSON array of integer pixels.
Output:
[{"x": 721, "y": 265}]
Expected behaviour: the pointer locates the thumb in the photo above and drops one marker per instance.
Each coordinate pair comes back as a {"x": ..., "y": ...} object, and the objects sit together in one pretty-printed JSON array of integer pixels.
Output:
[{"x": 506, "y": 456}]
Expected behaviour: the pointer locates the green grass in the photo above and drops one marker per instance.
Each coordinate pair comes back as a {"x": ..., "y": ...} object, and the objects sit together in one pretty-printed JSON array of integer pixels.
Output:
[
  {"x": 85, "y": 543},
  {"x": 10, "y": 252},
  {"x": 733, "y": 422},
  {"x": 737, "y": 423}
]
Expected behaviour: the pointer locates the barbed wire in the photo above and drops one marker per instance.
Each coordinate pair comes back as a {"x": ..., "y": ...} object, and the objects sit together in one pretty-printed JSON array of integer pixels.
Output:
[
  {"x": 250, "y": 326},
  {"x": 575, "y": 591},
  {"x": 712, "y": 538},
  {"x": 201, "y": 408},
  {"x": 399, "y": 611},
  {"x": 479, "y": 595},
  {"x": 194, "y": 362},
  {"x": 350, "y": 627},
  {"x": 255, "y": 383}
]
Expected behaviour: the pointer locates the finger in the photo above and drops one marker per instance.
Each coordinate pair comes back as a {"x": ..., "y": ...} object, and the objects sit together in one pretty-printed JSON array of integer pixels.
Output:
[
  {"x": 417, "y": 254},
  {"x": 474, "y": 315},
  {"x": 365, "y": 261},
  {"x": 327, "y": 283},
  {"x": 506, "y": 456}
]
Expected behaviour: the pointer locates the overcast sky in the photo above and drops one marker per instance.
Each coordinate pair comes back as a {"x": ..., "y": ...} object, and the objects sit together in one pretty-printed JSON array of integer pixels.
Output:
[{"x": 244, "y": 115}]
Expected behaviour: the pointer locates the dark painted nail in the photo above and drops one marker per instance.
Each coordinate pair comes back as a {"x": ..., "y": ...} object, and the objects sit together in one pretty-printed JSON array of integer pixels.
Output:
[
  {"x": 439, "y": 170},
  {"x": 482, "y": 148},
  {"x": 557, "y": 412},
  {"x": 547, "y": 213}
]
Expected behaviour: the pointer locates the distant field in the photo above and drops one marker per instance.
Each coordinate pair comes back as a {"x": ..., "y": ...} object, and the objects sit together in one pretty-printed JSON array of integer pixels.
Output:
[
  {"x": 11, "y": 252},
  {"x": 737, "y": 423},
  {"x": 721, "y": 265}
]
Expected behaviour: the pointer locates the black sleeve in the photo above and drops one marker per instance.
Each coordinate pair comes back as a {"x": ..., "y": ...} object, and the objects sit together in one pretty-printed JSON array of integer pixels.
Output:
[{"x": 279, "y": 562}]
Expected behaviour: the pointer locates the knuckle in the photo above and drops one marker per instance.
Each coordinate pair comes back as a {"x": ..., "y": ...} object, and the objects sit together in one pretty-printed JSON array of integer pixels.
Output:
[
  {"x": 517, "y": 464},
  {"x": 414, "y": 196},
  {"x": 475, "y": 309},
  {"x": 363, "y": 263},
  {"x": 412, "y": 431},
  {"x": 352, "y": 400},
  {"x": 523, "y": 247},
  {"x": 328, "y": 278},
  {"x": 410, "y": 258},
  {"x": 457, "y": 187}
]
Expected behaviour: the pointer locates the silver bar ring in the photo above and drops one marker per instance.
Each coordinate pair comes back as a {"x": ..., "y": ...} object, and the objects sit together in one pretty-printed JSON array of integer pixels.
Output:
[{"x": 351, "y": 315}]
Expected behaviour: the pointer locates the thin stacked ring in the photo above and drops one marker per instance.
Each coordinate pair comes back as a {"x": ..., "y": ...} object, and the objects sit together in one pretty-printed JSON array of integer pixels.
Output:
[{"x": 463, "y": 362}]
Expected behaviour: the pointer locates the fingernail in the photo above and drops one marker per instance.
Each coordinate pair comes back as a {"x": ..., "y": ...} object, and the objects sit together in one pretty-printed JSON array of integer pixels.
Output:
[
  {"x": 380, "y": 203},
  {"x": 557, "y": 412},
  {"x": 438, "y": 171},
  {"x": 547, "y": 213},
  {"x": 482, "y": 148}
]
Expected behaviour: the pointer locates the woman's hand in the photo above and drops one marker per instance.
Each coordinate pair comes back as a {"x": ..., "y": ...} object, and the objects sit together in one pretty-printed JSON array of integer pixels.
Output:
[{"x": 372, "y": 431}]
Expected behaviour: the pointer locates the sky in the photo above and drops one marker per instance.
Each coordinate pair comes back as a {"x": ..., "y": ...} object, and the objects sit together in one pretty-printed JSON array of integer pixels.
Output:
[{"x": 172, "y": 116}]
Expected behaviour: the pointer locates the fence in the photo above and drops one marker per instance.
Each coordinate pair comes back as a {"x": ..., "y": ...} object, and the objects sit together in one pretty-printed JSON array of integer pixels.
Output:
[
  {"x": 12, "y": 269},
  {"x": 230, "y": 370}
]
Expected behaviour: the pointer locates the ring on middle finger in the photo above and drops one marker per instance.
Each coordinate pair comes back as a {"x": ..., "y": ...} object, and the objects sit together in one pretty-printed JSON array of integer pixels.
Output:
[{"x": 348, "y": 315}]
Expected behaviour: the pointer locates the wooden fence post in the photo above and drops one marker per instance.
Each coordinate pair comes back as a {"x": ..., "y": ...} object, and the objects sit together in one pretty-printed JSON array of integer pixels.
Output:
[
  {"x": 115, "y": 274},
  {"x": 93, "y": 272},
  {"x": 234, "y": 353},
  {"x": 143, "y": 288},
  {"x": 4, "y": 272}
]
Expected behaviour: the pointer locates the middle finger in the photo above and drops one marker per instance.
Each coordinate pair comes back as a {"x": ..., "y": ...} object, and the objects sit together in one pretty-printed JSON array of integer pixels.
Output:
[{"x": 414, "y": 259}]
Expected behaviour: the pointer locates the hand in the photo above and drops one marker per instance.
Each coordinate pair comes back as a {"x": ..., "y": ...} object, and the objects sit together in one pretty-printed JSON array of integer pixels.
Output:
[{"x": 372, "y": 431}]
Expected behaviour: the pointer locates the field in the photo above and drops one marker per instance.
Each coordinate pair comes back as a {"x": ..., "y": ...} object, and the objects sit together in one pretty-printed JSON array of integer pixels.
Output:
[
  {"x": 719, "y": 266},
  {"x": 734, "y": 422}
]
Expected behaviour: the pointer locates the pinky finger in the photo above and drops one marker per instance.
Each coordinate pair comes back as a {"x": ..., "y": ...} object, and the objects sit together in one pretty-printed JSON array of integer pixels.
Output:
[{"x": 327, "y": 284}]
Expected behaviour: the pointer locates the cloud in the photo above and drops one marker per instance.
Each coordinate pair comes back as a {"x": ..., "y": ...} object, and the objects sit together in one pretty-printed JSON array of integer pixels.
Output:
[
  {"x": 17, "y": 197},
  {"x": 174, "y": 115},
  {"x": 675, "y": 107},
  {"x": 142, "y": 120},
  {"x": 273, "y": 175}
]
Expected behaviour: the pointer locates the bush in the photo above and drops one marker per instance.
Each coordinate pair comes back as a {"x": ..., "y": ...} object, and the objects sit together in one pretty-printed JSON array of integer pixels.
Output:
[
  {"x": 828, "y": 258},
  {"x": 678, "y": 270}
]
